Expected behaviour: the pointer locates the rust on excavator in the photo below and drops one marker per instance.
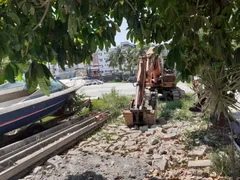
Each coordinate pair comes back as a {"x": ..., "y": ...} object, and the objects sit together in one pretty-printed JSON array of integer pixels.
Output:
[{"x": 152, "y": 78}]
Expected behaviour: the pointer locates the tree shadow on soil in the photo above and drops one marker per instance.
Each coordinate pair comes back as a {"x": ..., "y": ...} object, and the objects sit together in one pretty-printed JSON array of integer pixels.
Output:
[
  {"x": 211, "y": 137},
  {"x": 87, "y": 175}
]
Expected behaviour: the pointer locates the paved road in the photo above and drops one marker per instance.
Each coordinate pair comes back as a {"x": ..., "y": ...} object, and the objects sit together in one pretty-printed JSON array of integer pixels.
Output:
[
  {"x": 122, "y": 88},
  {"x": 98, "y": 90}
]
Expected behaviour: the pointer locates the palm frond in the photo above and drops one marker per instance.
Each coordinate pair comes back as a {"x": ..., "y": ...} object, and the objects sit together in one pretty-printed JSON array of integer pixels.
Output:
[{"x": 218, "y": 87}]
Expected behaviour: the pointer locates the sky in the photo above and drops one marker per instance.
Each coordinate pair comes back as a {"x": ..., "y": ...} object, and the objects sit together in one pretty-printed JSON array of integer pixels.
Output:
[{"x": 122, "y": 36}]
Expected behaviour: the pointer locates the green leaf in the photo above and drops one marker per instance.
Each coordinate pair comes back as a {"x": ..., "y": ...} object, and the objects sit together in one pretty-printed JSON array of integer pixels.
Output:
[
  {"x": 2, "y": 77},
  {"x": 47, "y": 72},
  {"x": 92, "y": 42},
  {"x": 173, "y": 57},
  {"x": 159, "y": 37},
  {"x": 33, "y": 85},
  {"x": 72, "y": 26},
  {"x": 24, "y": 8},
  {"x": 32, "y": 10},
  {"x": 14, "y": 17},
  {"x": 237, "y": 55},
  {"x": 40, "y": 72},
  {"x": 100, "y": 44},
  {"x": 20, "y": 3},
  {"x": 1, "y": 53},
  {"x": 44, "y": 86},
  {"x": 23, "y": 67},
  {"x": 84, "y": 8},
  {"x": 61, "y": 58},
  {"x": 171, "y": 13},
  {"x": 19, "y": 76},
  {"x": 9, "y": 73},
  {"x": 17, "y": 47}
]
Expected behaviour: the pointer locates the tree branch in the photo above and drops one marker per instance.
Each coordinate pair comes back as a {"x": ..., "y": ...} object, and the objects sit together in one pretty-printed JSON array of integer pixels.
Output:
[
  {"x": 197, "y": 4},
  {"x": 44, "y": 15},
  {"x": 43, "y": 4},
  {"x": 48, "y": 2},
  {"x": 131, "y": 6}
]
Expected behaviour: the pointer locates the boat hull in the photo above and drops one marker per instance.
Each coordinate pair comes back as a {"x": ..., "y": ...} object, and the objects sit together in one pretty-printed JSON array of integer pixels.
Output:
[{"x": 29, "y": 114}]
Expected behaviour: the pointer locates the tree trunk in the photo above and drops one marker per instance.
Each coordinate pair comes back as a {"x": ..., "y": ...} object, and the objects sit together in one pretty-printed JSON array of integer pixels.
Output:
[{"x": 232, "y": 154}]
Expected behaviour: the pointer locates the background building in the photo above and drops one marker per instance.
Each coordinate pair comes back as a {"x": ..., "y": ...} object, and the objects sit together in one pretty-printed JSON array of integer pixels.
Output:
[{"x": 98, "y": 68}]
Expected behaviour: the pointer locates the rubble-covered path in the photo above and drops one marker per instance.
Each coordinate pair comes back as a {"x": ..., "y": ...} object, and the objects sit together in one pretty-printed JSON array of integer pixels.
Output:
[{"x": 117, "y": 152}]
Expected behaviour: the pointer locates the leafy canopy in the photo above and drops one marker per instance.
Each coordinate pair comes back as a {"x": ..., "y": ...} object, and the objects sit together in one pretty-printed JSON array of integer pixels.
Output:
[{"x": 67, "y": 32}]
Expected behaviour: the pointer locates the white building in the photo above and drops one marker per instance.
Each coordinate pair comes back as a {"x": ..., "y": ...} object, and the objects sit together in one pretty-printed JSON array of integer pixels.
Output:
[{"x": 103, "y": 57}]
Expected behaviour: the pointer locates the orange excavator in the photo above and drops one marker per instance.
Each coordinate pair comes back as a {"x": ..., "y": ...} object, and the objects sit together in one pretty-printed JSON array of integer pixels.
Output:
[{"x": 152, "y": 78}]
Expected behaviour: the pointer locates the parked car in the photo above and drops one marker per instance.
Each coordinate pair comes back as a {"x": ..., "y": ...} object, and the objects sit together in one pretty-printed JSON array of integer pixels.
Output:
[
  {"x": 96, "y": 82},
  {"x": 132, "y": 79},
  {"x": 88, "y": 83},
  {"x": 93, "y": 82}
]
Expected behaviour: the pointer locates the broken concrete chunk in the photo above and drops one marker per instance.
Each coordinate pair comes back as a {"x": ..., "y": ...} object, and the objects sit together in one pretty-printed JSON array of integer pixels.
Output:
[
  {"x": 150, "y": 132},
  {"x": 37, "y": 169},
  {"x": 166, "y": 126},
  {"x": 153, "y": 141},
  {"x": 198, "y": 151},
  {"x": 161, "y": 121},
  {"x": 143, "y": 128},
  {"x": 157, "y": 156},
  {"x": 160, "y": 164},
  {"x": 199, "y": 163},
  {"x": 148, "y": 150},
  {"x": 130, "y": 143},
  {"x": 171, "y": 136}
]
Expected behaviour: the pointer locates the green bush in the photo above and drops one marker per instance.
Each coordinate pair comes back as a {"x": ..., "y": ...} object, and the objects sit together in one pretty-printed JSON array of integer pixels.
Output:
[
  {"x": 114, "y": 102},
  {"x": 177, "y": 109}
]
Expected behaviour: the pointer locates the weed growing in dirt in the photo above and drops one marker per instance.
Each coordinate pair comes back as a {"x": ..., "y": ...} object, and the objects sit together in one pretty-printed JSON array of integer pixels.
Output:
[
  {"x": 114, "y": 102},
  {"x": 194, "y": 138},
  {"x": 221, "y": 160},
  {"x": 177, "y": 109},
  {"x": 85, "y": 111}
]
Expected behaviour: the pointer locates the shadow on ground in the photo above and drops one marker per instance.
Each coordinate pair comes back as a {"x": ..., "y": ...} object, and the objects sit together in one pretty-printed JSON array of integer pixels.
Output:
[
  {"x": 88, "y": 175},
  {"x": 211, "y": 137}
]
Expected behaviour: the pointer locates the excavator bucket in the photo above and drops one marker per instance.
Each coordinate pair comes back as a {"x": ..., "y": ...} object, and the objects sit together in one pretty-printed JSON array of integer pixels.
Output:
[{"x": 145, "y": 114}]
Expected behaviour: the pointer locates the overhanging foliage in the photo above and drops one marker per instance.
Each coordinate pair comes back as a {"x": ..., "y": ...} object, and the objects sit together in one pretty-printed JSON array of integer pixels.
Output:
[{"x": 34, "y": 32}]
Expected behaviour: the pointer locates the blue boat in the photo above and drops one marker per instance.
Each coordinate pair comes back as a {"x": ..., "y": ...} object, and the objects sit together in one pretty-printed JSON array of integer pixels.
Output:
[{"x": 18, "y": 108}]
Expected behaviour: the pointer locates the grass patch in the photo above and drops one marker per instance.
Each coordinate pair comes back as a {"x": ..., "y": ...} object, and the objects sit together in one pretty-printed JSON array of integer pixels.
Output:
[
  {"x": 83, "y": 112},
  {"x": 222, "y": 162},
  {"x": 177, "y": 109},
  {"x": 48, "y": 118},
  {"x": 114, "y": 102}
]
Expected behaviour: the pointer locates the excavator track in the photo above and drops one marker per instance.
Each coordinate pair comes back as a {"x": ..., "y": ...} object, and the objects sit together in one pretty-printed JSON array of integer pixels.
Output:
[{"x": 174, "y": 93}]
